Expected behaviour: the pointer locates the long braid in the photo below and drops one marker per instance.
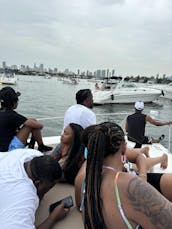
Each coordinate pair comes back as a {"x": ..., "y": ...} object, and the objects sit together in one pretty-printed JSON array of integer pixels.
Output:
[
  {"x": 93, "y": 191},
  {"x": 101, "y": 140}
]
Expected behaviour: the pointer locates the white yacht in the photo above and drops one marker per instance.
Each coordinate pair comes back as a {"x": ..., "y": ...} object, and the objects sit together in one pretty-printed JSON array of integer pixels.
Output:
[
  {"x": 168, "y": 91},
  {"x": 123, "y": 92},
  {"x": 8, "y": 78}
]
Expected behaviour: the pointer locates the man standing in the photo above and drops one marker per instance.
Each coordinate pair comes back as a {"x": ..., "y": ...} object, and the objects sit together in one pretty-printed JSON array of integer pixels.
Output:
[
  {"x": 135, "y": 126},
  {"x": 81, "y": 112},
  {"x": 25, "y": 176},
  {"x": 14, "y": 127}
]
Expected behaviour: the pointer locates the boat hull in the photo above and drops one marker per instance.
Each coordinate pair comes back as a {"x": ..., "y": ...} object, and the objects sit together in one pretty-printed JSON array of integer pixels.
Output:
[
  {"x": 8, "y": 79},
  {"x": 120, "y": 96}
]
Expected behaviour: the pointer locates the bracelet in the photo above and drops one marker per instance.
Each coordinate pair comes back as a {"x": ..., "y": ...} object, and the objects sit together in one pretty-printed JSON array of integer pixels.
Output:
[{"x": 142, "y": 175}]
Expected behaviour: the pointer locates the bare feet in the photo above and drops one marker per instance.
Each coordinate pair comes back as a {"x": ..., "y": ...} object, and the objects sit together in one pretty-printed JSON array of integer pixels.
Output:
[
  {"x": 145, "y": 151},
  {"x": 164, "y": 162}
]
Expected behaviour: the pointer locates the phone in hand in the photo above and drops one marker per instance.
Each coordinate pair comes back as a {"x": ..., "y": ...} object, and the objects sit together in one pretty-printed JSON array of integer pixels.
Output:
[{"x": 67, "y": 201}]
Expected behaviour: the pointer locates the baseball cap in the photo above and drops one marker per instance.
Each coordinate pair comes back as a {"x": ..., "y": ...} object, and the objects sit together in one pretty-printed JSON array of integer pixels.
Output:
[{"x": 139, "y": 105}]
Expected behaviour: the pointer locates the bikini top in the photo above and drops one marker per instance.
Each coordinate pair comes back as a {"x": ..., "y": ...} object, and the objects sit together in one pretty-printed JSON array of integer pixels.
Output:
[{"x": 129, "y": 226}]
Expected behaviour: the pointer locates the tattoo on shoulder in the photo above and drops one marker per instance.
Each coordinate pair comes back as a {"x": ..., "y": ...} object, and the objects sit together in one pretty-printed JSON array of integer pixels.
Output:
[{"x": 144, "y": 199}]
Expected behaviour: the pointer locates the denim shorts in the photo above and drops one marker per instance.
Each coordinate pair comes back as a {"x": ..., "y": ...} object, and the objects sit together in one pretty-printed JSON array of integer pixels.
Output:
[{"x": 15, "y": 144}]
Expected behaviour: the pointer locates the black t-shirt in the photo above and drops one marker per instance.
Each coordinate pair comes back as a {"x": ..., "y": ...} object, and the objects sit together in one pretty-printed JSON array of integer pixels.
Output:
[
  {"x": 136, "y": 127},
  {"x": 10, "y": 121}
]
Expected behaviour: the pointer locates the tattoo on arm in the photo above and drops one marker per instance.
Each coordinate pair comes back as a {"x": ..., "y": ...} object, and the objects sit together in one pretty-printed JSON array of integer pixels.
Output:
[{"x": 145, "y": 199}]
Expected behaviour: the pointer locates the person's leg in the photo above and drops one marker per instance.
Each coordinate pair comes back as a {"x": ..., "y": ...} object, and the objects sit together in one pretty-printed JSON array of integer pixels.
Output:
[
  {"x": 166, "y": 185},
  {"x": 157, "y": 140},
  {"x": 151, "y": 161},
  {"x": 162, "y": 182},
  {"x": 24, "y": 133}
]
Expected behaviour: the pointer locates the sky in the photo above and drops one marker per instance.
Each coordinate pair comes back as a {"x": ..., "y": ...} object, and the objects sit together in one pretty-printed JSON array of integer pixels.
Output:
[{"x": 131, "y": 36}]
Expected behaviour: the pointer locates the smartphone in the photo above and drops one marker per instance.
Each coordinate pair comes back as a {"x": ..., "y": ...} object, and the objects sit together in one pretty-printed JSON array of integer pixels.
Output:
[{"x": 67, "y": 201}]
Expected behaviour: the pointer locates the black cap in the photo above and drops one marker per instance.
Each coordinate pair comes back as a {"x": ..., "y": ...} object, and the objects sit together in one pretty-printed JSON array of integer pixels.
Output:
[{"x": 8, "y": 96}]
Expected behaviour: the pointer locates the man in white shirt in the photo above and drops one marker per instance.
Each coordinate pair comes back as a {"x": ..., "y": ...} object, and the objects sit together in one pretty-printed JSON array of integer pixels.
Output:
[
  {"x": 25, "y": 176},
  {"x": 81, "y": 112}
]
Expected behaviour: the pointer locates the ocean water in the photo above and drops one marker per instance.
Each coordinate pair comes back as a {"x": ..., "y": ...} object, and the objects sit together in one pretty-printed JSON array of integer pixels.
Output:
[{"x": 48, "y": 99}]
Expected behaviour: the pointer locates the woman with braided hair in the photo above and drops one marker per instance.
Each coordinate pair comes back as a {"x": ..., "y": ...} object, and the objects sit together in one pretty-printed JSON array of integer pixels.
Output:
[{"x": 113, "y": 198}]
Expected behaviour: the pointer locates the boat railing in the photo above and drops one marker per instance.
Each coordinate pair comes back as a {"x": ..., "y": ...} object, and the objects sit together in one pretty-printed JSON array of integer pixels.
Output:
[{"x": 118, "y": 117}]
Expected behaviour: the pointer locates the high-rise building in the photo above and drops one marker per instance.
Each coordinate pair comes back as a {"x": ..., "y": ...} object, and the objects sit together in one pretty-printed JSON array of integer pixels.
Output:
[
  {"x": 41, "y": 68},
  {"x": 113, "y": 72},
  {"x": 4, "y": 65},
  {"x": 103, "y": 73}
]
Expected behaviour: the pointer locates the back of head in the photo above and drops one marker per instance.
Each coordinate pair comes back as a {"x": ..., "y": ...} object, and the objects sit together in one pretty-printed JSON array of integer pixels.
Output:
[
  {"x": 45, "y": 168},
  {"x": 139, "y": 106},
  {"x": 82, "y": 95},
  {"x": 101, "y": 140},
  {"x": 8, "y": 97}
]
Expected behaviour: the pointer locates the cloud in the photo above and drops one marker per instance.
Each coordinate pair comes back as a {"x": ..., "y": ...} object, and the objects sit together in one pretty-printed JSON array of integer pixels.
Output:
[{"x": 134, "y": 36}]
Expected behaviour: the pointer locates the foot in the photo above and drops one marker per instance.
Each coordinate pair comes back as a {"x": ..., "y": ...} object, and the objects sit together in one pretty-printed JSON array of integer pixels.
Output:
[
  {"x": 161, "y": 137},
  {"x": 164, "y": 162},
  {"x": 44, "y": 148}
]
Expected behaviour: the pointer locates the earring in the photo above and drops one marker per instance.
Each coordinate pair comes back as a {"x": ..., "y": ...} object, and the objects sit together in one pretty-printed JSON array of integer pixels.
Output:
[{"x": 123, "y": 159}]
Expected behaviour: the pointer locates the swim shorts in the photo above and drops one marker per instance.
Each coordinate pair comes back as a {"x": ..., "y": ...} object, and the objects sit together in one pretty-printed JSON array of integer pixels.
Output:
[
  {"x": 154, "y": 180},
  {"x": 15, "y": 144}
]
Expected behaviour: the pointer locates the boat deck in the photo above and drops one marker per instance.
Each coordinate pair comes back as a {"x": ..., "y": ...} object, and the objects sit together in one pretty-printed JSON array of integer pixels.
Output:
[{"x": 61, "y": 190}]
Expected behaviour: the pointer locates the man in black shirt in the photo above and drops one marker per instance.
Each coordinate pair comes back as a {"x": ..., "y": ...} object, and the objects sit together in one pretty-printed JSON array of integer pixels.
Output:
[
  {"x": 15, "y": 128},
  {"x": 135, "y": 126}
]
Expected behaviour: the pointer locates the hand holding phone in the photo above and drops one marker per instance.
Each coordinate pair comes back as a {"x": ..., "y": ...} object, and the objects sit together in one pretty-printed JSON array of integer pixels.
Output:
[{"x": 67, "y": 201}]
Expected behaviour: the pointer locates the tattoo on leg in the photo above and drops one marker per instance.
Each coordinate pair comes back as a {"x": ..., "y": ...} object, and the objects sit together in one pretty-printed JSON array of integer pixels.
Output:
[{"x": 146, "y": 200}]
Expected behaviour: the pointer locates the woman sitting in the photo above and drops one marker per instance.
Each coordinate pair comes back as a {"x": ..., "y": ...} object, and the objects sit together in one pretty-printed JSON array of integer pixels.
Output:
[
  {"x": 113, "y": 198},
  {"x": 70, "y": 152}
]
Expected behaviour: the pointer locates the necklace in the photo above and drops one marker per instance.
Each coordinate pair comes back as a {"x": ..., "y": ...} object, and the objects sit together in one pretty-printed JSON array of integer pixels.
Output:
[{"x": 110, "y": 168}]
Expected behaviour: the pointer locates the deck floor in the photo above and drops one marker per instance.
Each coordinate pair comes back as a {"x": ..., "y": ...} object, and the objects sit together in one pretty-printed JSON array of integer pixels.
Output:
[{"x": 73, "y": 220}]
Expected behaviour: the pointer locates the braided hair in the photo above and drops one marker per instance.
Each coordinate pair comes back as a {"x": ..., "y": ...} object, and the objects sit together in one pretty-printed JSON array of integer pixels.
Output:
[{"x": 101, "y": 140}]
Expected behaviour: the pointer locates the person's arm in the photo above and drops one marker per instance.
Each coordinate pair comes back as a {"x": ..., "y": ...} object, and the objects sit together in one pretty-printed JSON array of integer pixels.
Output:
[
  {"x": 156, "y": 122},
  {"x": 126, "y": 126},
  {"x": 148, "y": 206},
  {"x": 57, "y": 214},
  {"x": 57, "y": 154},
  {"x": 33, "y": 123},
  {"x": 79, "y": 180}
]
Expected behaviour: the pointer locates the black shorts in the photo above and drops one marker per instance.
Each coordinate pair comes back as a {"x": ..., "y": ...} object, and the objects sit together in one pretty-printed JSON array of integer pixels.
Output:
[
  {"x": 146, "y": 140},
  {"x": 154, "y": 180}
]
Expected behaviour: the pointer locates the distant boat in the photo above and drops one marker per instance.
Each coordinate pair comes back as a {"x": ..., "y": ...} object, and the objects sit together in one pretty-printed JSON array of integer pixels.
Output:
[
  {"x": 70, "y": 81},
  {"x": 122, "y": 92},
  {"x": 8, "y": 78}
]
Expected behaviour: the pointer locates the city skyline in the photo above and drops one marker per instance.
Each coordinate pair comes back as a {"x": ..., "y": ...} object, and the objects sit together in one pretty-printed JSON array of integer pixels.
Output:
[{"x": 132, "y": 37}]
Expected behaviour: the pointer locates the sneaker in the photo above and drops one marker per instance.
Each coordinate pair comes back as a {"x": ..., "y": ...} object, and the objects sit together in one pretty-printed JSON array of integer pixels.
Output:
[
  {"x": 161, "y": 137},
  {"x": 44, "y": 148}
]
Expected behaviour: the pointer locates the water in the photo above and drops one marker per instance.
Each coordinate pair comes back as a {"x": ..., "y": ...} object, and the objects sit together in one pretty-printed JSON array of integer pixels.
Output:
[{"x": 48, "y": 99}]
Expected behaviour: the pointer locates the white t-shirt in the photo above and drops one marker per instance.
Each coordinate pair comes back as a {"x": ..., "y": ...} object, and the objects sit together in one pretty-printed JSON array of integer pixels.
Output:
[
  {"x": 79, "y": 114},
  {"x": 18, "y": 195}
]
